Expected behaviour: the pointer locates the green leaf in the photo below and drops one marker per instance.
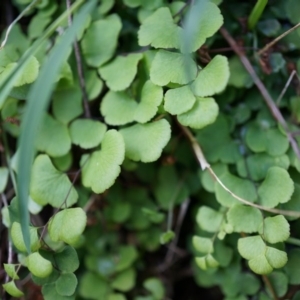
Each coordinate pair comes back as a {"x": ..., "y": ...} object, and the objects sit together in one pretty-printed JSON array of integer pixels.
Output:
[
  {"x": 87, "y": 133},
  {"x": 207, "y": 181},
  {"x": 127, "y": 255},
  {"x": 12, "y": 289},
  {"x": 203, "y": 113},
  {"x": 49, "y": 185},
  {"x": 100, "y": 41},
  {"x": 203, "y": 245},
  {"x": 18, "y": 240},
  {"x": 67, "y": 225},
  {"x": 203, "y": 20},
  {"x": 279, "y": 282},
  {"x": 292, "y": 267},
  {"x": 102, "y": 168},
  {"x": 118, "y": 108},
  {"x": 180, "y": 100},
  {"x": 244, "y": 218},
  {"x": 291, "y": 8},
  {"x": 120, "y": 73},
  {"x": 67, "y": 259},
  {"x": 275, "y": 229},
  {"x": 239, "y": 77},
  {"x": 256, "y": 13},
  {"x": 241, "y": 187},
  {"x": 125, "y": 280},
  {"x": 167, "y": 237},
  {"x": 115, "y": 296},
  {"x": 10, "y": 269},
  {"x": 169, "y": 67},
  {"x": 155, "y": 286},
  {"x": 209, "y": 219},
  {"x": 3, "y": 178},
  {"x": 94, "y": 84},
  {"x": 38, "y": 265},
  {"x": 29, "y": 73},
  {"x": 49, "y": 292},
  {"x": 276, "y": 258},
  {"x": 151, "y": 98},
  {"x": 260, "y": 265},
  {"x": 93, "y": 286},
  {"x": 53, "y": 137},
  {"x": 66, "y": 284},
  {"x": 277, "y": 187},
  {"x": 159, "y": 30},
  {"x": 251, "y": 247},
  {"x": 154, "y": 135},
  {"x": 213, "y": 78}
]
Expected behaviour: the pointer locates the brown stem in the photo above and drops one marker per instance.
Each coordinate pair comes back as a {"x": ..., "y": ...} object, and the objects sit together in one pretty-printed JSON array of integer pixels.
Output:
[
  {"x": 264, "y": 92},
  {"x": 270, "y": 287},
  {"x": 87, "y": 112}
]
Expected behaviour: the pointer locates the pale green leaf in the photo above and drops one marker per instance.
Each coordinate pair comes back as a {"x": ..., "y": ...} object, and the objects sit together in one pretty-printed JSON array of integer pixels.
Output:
[
  {"x": 66, "y": 284},
  {"x": 276, "y": 258},
  {"x": 292, "y": 267},
  {"x": 151, "y": 98},
  {"x": 155, "y": 286},
  {"x": 118, "y": 108},
  {"x": 38, "y": 265},
  {"x": 203, "y": 21},
  {"x": 251, "y": 247},
  {"x": 87, "y": 133},
  {"x": 67, "y": 225},
  {"x": 30, "y": 72},
  {"x": 260, "y": 265},
  {"x": 203, "y": 113},
  {"x": 53, "y": 137},
  {"x": 145, "y": 142},
  {"x": 211, "y": 261},
  {"x": 3, "y": 178},
  {"x": 241, "y": 187},
  {"x": 209, "y": 219},
  {"x": 170, "y": 67},
  {"x": 11, "y": 289},
  {"x": 103, "y": 167},
  {"x": 100, "y": 41},
  {"x": 203, "y": 245},
  {"x": 10, "y": 269},
  {"x": 120, "y": 73},
  {"x": 275, "y": 229},
  {"x": 201, "y": 262},
  {"x": 277, "y": 187},
  {"x": 159, "y": 30},
  {"x": 49, "y": 185},
  {"x": 18, "y": 241},
  {"x": 244, "y": 218},
  {"x": 125, "y": 280},
  {"x": 179, "y": 100},
  {"x": 213, "y": 78},
  {"x": 93, "y": 83}
]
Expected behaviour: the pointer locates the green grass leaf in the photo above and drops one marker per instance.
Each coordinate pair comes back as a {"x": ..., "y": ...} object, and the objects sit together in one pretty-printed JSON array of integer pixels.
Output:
[
  {"x": 169, "y": 67},
  {"x": 179, "y": 100},
  {"x": 213, "y": 78},
  {"x": 38, "y": 265},
  {"x": 244, "y": 218},
  {"x": 87, "y": 133},
  {"x": 66, "y": 284},
  {"x": 50, "y": 186},
  {"x": 53, "y": 137},
  {"x": 103, "y": 167},
  {"x": 277, "y": 187},
  {"x": 275, "y": 229},
  {"x": 145, "y": 142},
  {"x": 159, "y": 30},
  {"x": 120, "y": 73},
  {"x": 203, "y": 113},
  {"x": 256, "y": 13},
  {"x": 67, "y": 225},
  {"x": 100, "y": 41}
]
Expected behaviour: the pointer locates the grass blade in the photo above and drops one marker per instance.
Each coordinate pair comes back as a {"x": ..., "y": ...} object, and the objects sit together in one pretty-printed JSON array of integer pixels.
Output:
[
  {"x": 256, "y": 13},
  {"x": 38, "y": 99}
]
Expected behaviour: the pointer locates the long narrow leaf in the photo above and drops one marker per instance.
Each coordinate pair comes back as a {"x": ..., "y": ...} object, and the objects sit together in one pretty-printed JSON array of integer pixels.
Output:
[
  {"x": 38, "y": 98},
  {"x": 256, "y": 13},
  {"x": 7, "y": 85}
]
